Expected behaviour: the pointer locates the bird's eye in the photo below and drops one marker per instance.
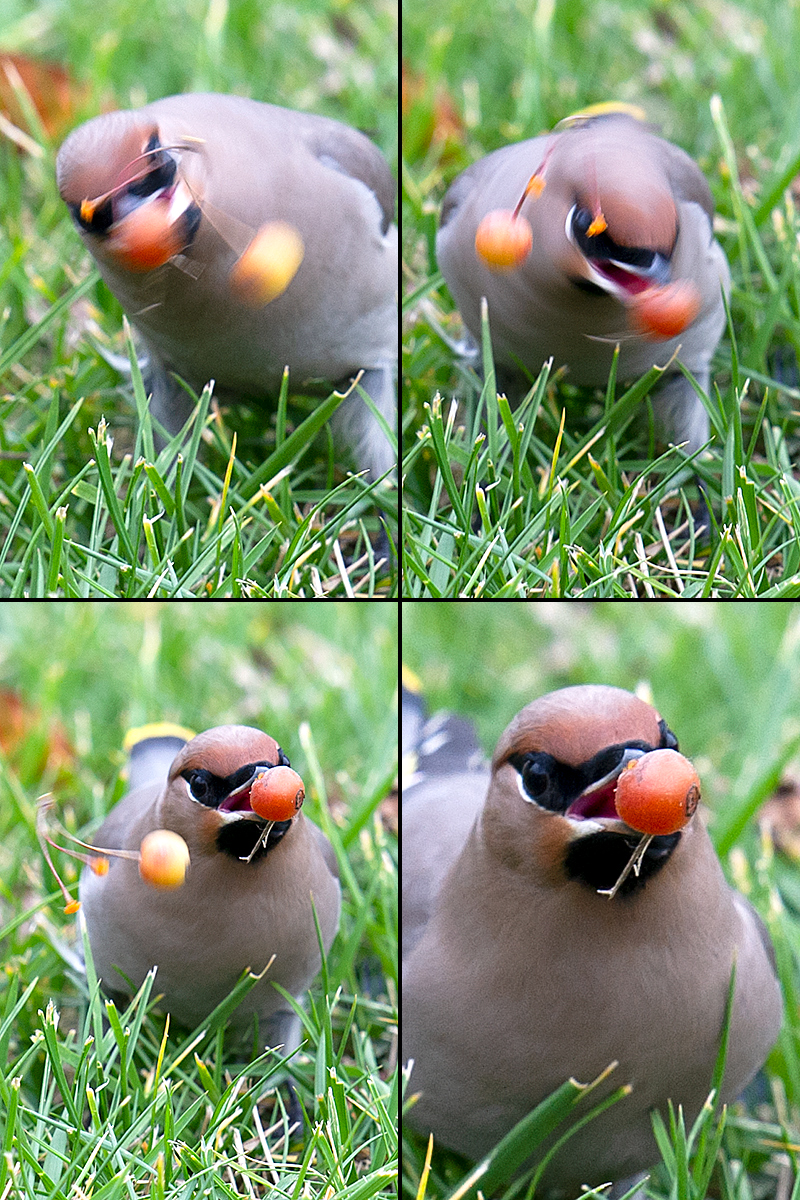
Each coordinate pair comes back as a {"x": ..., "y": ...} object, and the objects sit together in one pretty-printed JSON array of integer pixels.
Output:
[
  {"x": 535, "y": 778},
  {"x": 539, "y": 778},
  {"x": 199, "y": 786}
]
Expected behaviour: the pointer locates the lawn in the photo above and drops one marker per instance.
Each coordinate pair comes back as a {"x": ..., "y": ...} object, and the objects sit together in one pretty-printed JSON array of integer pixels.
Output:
[
  {"x": 725, "y": 678},
  {"x": 96, "y": 1101},
  {"x": 570, "y": 495},
  {"x": 261, "y": 504}
]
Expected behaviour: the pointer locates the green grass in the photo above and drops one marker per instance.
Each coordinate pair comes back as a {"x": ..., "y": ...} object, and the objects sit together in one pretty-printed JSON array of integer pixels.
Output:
[
  {"x": 95, "y": 1101},
  {"x": 262, "y": 505},
  {"x": 725, "y": 677},
  {"x": 570, "y": 495}
]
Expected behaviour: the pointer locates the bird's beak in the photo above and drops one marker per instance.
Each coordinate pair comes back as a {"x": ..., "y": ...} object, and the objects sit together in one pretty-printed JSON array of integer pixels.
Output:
[
  {"x": 236, "y": 804},
  {"x": 594, "y": 808},
  {"x": 623, "y": 280}
]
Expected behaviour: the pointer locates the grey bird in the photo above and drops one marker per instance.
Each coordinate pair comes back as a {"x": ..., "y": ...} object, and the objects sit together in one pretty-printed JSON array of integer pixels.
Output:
[
  {"x": 170, "y": 200},
  {"x": 518, "y": 974},
  {"x": 621, "y": 220},
  {"x": 230, "y": 914}
]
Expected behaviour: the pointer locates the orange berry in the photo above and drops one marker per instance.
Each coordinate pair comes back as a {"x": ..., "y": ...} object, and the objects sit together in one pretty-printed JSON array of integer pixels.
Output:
[
  {"x": 657, "y": 793},
  {"x": 502, "y": 240},
  {"x": 268, "y": 265},
  {"x": 145, "y": 238},
  {"x": 72, "y": 907},
  {"x": 99, "y": 865},
  {"x": 664, "y": 312},
  {"x": 278, "y": 794},
  {"x": 164, "y": 859}
]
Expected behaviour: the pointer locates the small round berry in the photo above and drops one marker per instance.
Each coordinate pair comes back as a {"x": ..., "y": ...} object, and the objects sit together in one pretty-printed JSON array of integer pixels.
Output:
[
  {"x": 164, "y": 859},
  {"x": 502, "y": 240},
  {"x": 145, "y": 238},
  {"x": 664, "y": 312},
  {"x": 657, "y": 793},
  {"x": 278, "y": 794},
  {"x": 268, "y": 265}
]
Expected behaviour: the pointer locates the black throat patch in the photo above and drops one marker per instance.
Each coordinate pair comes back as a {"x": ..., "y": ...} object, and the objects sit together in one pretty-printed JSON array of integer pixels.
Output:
[
  {"x": 599, "y": 859},
  {"x": 237, "y": 838}
]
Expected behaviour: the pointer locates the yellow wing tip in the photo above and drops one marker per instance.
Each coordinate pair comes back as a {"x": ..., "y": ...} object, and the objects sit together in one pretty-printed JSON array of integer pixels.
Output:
[
  {"x": 155, "y": 730},
  {"x": 411, "y": 681},
  {"x": 605, "y": 108}
]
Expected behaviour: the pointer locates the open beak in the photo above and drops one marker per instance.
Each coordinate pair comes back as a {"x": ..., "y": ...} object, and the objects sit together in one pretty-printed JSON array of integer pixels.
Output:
[{"x": 594, "y": 808}]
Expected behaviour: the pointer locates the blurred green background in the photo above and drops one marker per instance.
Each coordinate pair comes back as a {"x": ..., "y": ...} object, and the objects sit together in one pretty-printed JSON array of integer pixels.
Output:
[
  {"x": 99, "y": 669},
  {"x": 330, "y": 56},
  {"x": 514, "y": 68}
]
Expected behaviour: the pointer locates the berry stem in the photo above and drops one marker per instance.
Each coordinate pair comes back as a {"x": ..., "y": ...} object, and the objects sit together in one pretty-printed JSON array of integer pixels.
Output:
[{"x": 634, "y": 864}]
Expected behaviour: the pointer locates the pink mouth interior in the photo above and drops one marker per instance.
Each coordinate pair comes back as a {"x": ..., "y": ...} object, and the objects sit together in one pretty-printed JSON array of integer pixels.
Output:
[
  {"x": 631, "y": 282},
  {"x": 598, "y": 803},
  {"x": 238, "y": 801}
]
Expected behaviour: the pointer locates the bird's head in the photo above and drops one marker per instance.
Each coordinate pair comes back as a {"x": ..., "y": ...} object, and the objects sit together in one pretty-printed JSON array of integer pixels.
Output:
[
  {"x": 210, "y": 792},
  {"x": 127, "y": 190},
  {"x": 550, "y": 807},
  {"x": 618, "y": 222}
]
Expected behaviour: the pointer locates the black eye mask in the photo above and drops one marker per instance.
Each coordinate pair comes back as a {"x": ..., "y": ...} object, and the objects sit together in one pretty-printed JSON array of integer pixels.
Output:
[{"x": 230, "y": 793}]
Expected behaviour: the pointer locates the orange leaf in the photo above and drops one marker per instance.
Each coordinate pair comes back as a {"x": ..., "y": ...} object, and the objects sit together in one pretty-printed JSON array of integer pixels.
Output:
[{"x": 55, "y": 95}]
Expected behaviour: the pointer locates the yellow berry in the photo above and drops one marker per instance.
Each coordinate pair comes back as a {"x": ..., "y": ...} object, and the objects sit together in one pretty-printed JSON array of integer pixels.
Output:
[
  {"x": 164, "y": 859},
  {"x": 268, "y": 265},
  {"x": 502, "y": 240}
]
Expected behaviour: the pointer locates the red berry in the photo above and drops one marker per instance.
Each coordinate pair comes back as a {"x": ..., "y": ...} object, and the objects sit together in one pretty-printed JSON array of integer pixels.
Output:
[
  {"x": 145, "y": 238},
  {"x": 277, "y": 794},
  {"x": 657, "y": 793},
  {"x": 664, "y": 312}
]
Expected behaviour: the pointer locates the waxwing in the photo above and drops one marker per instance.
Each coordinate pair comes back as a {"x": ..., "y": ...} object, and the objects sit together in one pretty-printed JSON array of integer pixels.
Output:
[
  {"x": 520, "y": 971},
  {"x": 229, "y": 914},
  {"x": 241, "y": 238},
  {"x": 622, "y": 253}
]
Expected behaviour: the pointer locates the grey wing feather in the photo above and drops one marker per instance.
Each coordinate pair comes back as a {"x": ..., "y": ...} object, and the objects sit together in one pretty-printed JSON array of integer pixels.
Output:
[
  {"x": 441, "y": 745},
  {"x": 151, "y": 759},
  {"x": 353, "y": 154}
]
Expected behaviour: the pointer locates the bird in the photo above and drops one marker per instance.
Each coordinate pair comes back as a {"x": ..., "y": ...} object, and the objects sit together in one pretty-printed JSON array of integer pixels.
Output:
[
  {"x": 241, "y": 238},
  {"x": 229, "y": 915},
  {"x": 520, "y": 972},
  {"x": 622, "y": 252}
]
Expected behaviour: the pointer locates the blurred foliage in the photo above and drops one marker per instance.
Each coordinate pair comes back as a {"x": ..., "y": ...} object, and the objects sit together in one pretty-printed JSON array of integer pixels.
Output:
[{"x": 329, "y": 56}]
